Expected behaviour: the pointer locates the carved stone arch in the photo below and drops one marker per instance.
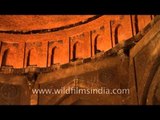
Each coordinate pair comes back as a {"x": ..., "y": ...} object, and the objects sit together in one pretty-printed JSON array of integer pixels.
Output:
[
  {"x": 74, "y": 52},
  {"x": 55, "y": 53},
  {"x": 150, "y": 82},
  {"x": 144, "y": 67},
  {"x": 54, "y": 49},
  {"x": 96, "y": 44},
  {"x": 5, "y": 57},
  {"x": 31, "y": 56},
  {"x": 117, "y": 34},
  {"x": 153, "y": 94}
]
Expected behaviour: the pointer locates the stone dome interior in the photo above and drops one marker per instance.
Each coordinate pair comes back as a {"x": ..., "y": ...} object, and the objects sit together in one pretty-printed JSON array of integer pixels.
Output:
[{"x": 32, "y": 22}]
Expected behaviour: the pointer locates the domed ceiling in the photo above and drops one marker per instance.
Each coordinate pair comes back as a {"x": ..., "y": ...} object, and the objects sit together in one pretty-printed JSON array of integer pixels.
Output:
[{"x": 36, "y": 22}]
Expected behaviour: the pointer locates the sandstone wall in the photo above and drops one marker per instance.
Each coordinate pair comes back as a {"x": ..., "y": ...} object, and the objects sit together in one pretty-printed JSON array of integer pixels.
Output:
[
  {"x": 46, "y": 47},
  {"x": 84, "y": 55}
]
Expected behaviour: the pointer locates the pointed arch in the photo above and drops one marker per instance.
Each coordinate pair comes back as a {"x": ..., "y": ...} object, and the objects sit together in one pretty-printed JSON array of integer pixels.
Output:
[
  {"x": 96, "y": 44},
  {"x": 116, "y": 34},
  {"x": 31, "y": 57},
  {"x": 53, "y": 55},
  {"x": 4, "y": 57},
  {"x": 74, "y": 52}
]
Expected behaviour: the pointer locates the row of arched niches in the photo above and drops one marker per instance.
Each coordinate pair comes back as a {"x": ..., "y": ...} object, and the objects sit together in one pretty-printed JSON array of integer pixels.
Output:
[{"x": 83, "y": 39}]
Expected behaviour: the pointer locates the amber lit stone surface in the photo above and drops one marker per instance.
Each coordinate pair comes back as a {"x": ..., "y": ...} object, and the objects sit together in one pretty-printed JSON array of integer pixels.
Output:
[
  {"x": 31, "y": 22},
  {"x": 35, "y": 40},
  {"x": 52, "y": 51}
]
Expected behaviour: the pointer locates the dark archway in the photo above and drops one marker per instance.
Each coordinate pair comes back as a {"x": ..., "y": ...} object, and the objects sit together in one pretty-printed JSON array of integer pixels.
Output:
[
  {"x": 96, "y": 50},
  {"x": 28, "y": 57},
  {"x": 53, "y": 55},
  {"x": 4, "y": 57},
  {"x": 74, "y": 51},
  {"x": 116, "y": 34},
  {"x": 32, "y": 57},
  {"x": 136, "y": 24}
]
